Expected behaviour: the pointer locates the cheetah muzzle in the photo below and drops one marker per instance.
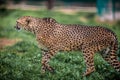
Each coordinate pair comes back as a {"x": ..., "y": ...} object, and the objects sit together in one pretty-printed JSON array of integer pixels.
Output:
[{"x": 53, "y": 37}]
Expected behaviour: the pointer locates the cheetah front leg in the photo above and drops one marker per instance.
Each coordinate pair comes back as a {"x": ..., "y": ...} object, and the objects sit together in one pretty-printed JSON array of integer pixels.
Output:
[
  {"x": 46, "y": 56},
  {"x": 89, "y": 60}
]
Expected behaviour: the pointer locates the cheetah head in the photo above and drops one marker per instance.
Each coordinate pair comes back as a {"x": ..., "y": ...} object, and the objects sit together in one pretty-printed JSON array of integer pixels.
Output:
[
  {"x": 30, "y": 23},
  {"x": 25, "y": 22}
]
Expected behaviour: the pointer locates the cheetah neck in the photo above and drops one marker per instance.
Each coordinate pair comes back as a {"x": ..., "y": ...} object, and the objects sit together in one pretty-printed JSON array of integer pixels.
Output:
[{"x": 33, "y": 29}]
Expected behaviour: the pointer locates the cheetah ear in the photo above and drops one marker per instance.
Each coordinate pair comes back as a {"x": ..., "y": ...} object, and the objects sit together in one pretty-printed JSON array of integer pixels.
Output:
[
  {"x": 49, "y": 20},
  {"x": 28, "y": 20}
]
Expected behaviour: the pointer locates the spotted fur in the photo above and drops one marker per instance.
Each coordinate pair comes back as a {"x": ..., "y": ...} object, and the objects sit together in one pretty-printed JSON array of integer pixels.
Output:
[{"x": 54, "y": 37}]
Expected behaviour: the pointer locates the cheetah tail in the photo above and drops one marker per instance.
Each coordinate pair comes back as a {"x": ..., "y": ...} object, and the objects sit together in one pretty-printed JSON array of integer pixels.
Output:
[{"x": 113, "y": 56}]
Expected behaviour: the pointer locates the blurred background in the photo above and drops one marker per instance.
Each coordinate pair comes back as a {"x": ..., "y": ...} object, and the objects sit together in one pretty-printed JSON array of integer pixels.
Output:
[
  {"x": 105, "y": 9},
  {"x": 19, "y": 53}
]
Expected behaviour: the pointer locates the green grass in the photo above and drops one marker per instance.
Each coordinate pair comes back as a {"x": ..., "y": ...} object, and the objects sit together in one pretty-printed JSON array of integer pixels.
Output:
[{"x": 22, "y": 60}]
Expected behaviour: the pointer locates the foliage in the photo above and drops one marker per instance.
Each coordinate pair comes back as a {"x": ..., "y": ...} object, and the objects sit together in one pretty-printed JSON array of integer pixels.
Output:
[{"x": 22, "y": 60}]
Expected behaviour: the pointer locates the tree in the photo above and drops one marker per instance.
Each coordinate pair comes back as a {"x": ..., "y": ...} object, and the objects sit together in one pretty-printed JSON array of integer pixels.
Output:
[{"x": 50, "y": 4}]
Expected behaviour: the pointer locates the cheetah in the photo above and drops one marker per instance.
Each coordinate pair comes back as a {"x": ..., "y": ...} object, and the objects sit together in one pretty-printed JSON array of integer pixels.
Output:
[{"x": 54, "y": 37}]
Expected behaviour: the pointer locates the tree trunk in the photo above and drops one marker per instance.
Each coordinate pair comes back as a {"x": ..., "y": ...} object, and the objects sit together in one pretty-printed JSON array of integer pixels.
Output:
[{"x": 49, "y": 4}]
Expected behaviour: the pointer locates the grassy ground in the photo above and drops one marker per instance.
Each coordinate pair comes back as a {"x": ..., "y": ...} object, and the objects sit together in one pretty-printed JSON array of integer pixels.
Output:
[{"x": 22, "y": 60}]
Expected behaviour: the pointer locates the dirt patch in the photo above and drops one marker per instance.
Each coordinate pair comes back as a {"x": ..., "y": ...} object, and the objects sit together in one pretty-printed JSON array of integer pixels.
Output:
[{"x": 8, "y": 42}]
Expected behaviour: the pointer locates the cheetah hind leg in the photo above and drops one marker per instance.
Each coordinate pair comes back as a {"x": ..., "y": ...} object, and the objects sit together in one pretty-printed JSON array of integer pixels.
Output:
[
  {"x": 89, "y": 60},
  {"x": 110, "y": 56}
]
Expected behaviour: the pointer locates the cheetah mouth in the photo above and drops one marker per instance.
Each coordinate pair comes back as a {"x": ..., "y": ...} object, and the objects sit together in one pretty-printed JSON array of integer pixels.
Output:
[{"x": 17, "y": 27}]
